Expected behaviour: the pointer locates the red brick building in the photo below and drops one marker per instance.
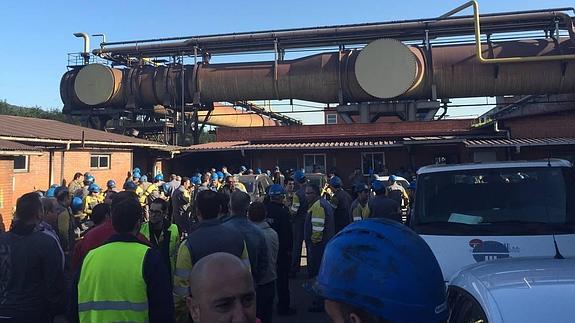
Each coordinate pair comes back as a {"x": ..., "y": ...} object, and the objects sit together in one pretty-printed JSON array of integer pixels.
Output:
[
  {"x": 35, "y": 153},
  {"x": 383, "y": 146}
]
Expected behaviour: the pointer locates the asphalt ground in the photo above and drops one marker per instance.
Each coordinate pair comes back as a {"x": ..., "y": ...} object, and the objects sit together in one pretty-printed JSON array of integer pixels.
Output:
[{"x": 301, "y": 300}]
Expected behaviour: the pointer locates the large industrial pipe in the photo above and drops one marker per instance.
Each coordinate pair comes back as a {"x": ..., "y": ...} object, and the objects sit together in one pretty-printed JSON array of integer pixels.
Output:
[
  {"x": 383, "y": 70},
  {"x": 346, "y": 34},
  {"x": 227, "y": 116}
]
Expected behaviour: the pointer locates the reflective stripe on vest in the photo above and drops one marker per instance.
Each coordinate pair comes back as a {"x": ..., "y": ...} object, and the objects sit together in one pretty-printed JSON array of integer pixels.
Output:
[{"x": 111, "y": 286}]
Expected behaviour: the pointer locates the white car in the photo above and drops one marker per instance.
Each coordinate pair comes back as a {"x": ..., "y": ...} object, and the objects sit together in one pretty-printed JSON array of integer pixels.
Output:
[
  {"x": 469, "y": 213},
  {"x": 514, "y": 290}
]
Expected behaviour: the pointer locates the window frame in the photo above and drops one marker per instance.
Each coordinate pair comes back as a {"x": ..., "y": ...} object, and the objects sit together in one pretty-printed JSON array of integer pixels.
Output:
[
  {"x": 314, "y": 163},
  {"x": 365, "y": 172},
  {"x": 100, "y": 157},
  {"x": 26, "y": 168},
  {"x": 332, "y": 115}
]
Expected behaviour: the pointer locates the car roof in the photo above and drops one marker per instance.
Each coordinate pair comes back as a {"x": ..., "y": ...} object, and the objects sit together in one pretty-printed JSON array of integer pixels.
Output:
[
  {"x": 386, "y": 178},
  {"x": 526, "y": 289},
  {"x": 502, "y": 164},
  {"x": 504, "y": 273}
]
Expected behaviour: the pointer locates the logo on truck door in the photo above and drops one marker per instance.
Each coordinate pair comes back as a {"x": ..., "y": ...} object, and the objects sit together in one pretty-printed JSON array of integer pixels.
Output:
[{"x": 490, "y": 250}]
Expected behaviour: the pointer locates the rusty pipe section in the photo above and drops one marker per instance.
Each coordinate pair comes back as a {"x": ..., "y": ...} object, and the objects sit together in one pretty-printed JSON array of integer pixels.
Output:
[
  {"x": 384, "y": 70},
  {"x": 227, "y": 116},
  {"x": 457, "y": 73}
]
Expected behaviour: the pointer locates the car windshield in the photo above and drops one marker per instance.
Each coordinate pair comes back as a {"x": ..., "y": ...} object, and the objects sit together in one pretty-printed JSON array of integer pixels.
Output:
[{"x": 498, "y": 201}]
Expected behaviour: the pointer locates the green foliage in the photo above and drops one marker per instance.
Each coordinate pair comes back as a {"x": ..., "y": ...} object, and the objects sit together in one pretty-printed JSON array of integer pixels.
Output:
[{"x": 35, "y": 112}]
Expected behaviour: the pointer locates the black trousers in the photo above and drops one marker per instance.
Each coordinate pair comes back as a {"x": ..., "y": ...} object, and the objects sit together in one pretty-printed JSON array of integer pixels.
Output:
[
  {"x": 282, "y": 284},
  {"x": 265, "y": 295}
]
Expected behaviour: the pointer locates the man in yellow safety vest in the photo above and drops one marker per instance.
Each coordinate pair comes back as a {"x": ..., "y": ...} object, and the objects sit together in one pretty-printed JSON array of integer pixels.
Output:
[{"x": 123, "y": 280}]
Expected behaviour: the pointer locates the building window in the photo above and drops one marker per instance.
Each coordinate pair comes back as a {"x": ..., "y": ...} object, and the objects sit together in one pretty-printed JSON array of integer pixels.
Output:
[
  {"x": 100, "y": 161},
  {"x": 375, "y": 161},
  {"x": 331, "y": 118},
  {"x": 314, "y": 163},
  {"x": 21, "y": 163}
]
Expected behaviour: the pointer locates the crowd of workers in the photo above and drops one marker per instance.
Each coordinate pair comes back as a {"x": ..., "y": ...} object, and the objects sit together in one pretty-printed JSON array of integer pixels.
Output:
[{"x": 202, "y": 249}]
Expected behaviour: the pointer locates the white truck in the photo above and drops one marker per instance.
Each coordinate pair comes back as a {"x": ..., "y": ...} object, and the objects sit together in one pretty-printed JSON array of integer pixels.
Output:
[{"x": 469, "y": 213}]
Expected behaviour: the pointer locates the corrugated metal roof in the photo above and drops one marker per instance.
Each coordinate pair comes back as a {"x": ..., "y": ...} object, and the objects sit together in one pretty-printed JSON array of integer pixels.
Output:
[
  {"x": 519, "y": 142},
  {"x": 6, "y": 145},
  {"x": 34, "y": 128},
  {"x": 432, "y": 140},
  {"x": 215, "y": 146},
  {"x": 325, "y": 145},
  {"x": 245, "y": 145}
]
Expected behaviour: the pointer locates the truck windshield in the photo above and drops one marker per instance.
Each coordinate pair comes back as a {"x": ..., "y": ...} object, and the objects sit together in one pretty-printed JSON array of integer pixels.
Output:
[{"x": 497, "y": 201}]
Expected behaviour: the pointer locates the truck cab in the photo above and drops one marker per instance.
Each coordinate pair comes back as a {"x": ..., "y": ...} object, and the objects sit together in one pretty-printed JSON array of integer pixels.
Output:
[{"x": 469, "y": 213}]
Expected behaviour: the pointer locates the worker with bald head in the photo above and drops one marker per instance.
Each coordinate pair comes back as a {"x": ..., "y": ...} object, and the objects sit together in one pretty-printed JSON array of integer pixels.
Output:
[{"x": 221, "y": 290}]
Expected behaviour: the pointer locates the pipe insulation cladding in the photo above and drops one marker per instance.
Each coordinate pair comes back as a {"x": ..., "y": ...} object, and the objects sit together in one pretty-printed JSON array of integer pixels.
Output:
[{"x": 384, "y": 70}]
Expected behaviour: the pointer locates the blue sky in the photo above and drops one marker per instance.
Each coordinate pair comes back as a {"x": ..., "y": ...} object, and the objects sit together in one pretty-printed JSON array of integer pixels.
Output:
[{"x": 37, "y": 35}]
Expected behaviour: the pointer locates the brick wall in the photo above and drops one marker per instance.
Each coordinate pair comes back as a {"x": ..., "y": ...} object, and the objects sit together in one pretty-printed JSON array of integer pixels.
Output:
[
  {"x": 79, "y": 161},
  {"x": 346, "y": 131},
  {"x": 543, "y": 126},
  {"x": 6, "y": 195},
  {"x": 36, "y": 178},
  {"x": 38, "y": 175}
]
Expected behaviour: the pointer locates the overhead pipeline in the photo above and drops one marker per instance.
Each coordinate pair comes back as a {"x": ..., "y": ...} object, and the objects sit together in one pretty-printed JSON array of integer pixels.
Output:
[{"x": 384, "y": 70}]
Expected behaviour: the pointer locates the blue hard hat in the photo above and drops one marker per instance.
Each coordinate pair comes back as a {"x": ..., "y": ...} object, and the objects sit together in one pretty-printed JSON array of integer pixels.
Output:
[
  {"x": 220, "y": 175},
  {"x": 136, "y": 176},
  {"x": 299, "y": 176},
  {"x": 76, "y": 204},
  {"x": 144, "y": 178},
  {"x": 335, "y": 181},
  {"x": 136, "y": 170},
  {"x": 276, "y": 190},
  {"x": 94, "y": 188},
  {"x": 51, "y": 192},
  {"x": 258, "y": 170},
  {"x": 377, "y": 185},
  {"x": 392, "y": 178},
  {"x": 111, "y": 183},
  {"x": 385, "y": 269},
  {"x": 196, "y": 180},
  {"x": 159, "y": 177},
  {"x": 129, "y": 185},
  {"x": 166, "y": 187},
  {"x": 89, "y": 178},
  {"x": 214, "y": 176},
  {"x": 360, "y": 188}
]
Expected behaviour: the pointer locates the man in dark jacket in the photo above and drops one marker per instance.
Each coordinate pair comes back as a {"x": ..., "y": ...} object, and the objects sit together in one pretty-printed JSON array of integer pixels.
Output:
[
  {"x": 254, "y": 238},
  {"x": 32, "y": 285},
  {"x": 181, "y": 202},
  {"x": 279, "y": 219},
  {"x": 380, "y": 206},
  {"x": 341, "y": 202},
  {"x": 201, "y": 243},
  {"x": 298, "y": 210}
]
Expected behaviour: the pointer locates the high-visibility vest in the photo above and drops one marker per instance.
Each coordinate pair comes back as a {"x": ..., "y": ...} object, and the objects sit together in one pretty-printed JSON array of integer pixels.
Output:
[
  {"x": 174, "y": 240},
  {"x": 111, "y": 286}
]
